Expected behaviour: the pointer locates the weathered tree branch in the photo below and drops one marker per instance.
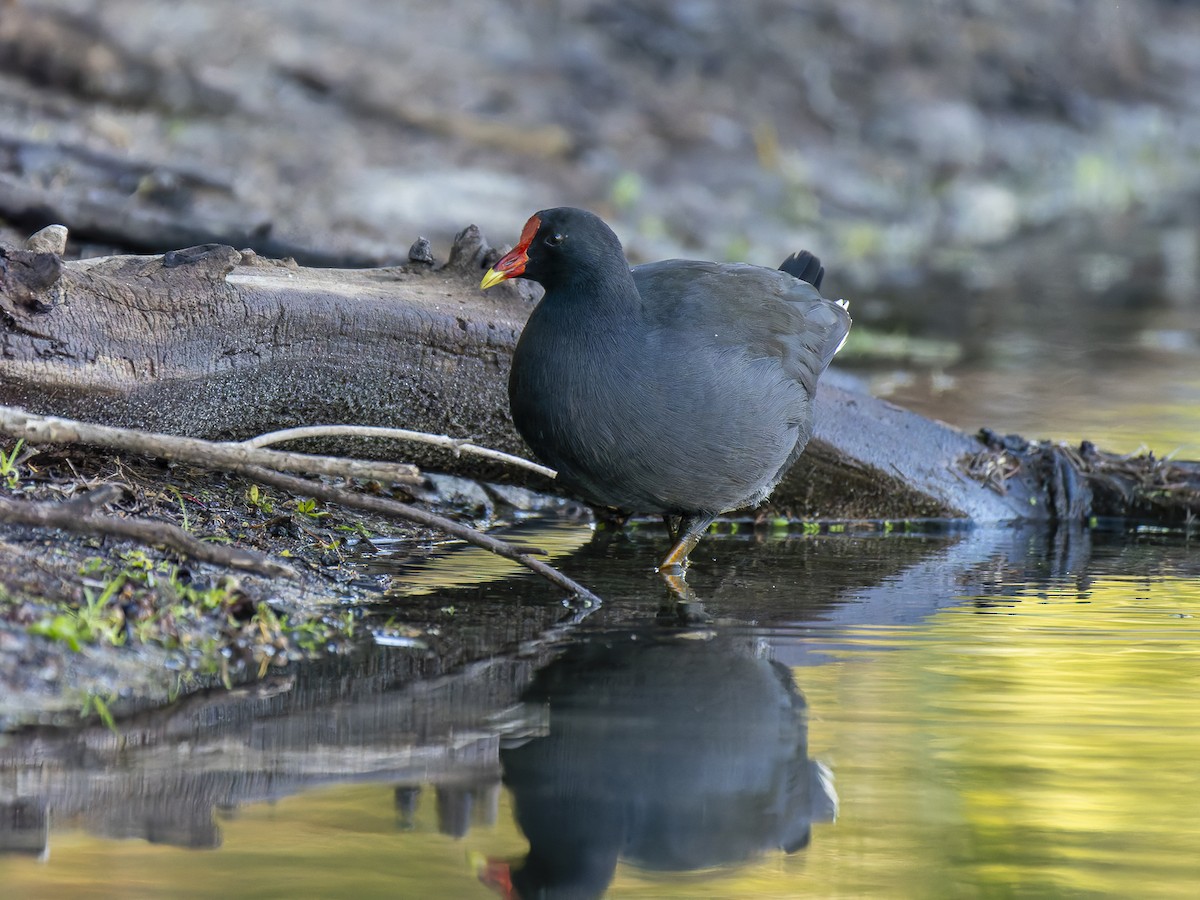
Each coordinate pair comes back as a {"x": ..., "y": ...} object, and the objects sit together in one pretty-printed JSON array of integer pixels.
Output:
[{"x": 54, "y": 430}]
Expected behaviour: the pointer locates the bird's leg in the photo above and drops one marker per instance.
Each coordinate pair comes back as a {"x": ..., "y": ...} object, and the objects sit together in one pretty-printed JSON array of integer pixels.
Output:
[
  {"x": 672, "y": 523},
  {"x": 691, "y": 529},
  {"x": 683, "y": 607},
  {"x": 610, "y": 519}
]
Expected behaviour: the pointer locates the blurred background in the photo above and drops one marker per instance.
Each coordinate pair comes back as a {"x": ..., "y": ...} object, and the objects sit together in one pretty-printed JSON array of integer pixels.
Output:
[{"x": 1006, "y": 190}]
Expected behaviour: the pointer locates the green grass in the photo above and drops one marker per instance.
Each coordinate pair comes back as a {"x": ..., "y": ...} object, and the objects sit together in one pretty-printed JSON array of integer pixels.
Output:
[{"x": 8, "y": 465}]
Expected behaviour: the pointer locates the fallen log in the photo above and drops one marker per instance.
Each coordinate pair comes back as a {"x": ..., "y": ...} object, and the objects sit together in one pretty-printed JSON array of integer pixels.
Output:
[{"x": 218, "y": 343}]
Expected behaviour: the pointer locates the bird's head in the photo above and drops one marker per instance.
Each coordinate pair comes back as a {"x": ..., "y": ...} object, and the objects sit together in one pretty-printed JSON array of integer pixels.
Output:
[{"x": 558, "y": 245}]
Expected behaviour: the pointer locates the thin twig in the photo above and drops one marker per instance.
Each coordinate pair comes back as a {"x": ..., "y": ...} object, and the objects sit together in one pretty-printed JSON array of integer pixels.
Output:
[
  {"x": 309, "y": 464},
  {"x": 456, "y": 445},
  {"x": 395, "y": 509},
  {"x": 67, "y": 516}
]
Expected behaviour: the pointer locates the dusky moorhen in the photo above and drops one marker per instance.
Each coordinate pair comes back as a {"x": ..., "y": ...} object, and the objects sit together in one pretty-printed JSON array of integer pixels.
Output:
[{"x": 680, "y": 387}]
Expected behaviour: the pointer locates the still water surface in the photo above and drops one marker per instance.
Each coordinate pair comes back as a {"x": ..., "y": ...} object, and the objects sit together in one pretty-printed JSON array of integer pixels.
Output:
[{"x": 939, "y": 713}]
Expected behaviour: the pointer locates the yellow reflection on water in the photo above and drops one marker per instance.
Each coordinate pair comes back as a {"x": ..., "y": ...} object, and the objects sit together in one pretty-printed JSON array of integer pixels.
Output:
[
  {"x": 1135, "y": 406},
  {"x": 341, "y": 841},
  {"x": 1043, "y": 747}
]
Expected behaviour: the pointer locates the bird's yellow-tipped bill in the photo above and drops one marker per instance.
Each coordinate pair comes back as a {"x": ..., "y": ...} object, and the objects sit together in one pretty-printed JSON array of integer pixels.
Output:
[{"x": 492, "y": 278}]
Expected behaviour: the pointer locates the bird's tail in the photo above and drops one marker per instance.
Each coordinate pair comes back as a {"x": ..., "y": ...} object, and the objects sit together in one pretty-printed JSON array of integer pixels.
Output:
[{"x": 805, "y": 266}]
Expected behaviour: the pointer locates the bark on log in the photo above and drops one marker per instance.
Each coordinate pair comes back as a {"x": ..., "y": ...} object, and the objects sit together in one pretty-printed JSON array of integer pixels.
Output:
[{"x": 218, "y": 343}]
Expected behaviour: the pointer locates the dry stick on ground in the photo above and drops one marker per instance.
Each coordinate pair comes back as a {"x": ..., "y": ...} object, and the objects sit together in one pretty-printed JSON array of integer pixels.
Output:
[
  {"x": 68, "y": 517},
  {"x": 400, "y": 434},
  {"x": 224, "y": 456},
  {"x": 213, "y": 454}
]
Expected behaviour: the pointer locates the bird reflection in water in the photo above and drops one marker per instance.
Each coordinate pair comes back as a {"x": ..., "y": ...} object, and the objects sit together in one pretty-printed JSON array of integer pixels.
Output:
[{"x": 668, "y": 753}]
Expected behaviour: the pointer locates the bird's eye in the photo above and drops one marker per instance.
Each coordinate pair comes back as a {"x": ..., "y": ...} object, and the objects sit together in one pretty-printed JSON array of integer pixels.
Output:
[{"x": 555, "y": 238}]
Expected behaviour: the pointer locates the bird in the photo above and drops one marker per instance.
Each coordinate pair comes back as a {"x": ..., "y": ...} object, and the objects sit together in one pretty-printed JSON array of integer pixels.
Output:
[{"x": 681, "y": 388}]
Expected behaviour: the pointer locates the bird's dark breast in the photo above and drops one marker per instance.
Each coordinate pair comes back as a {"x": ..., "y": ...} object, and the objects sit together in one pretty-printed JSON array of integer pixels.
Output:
[{"x": 649, "y": 427}]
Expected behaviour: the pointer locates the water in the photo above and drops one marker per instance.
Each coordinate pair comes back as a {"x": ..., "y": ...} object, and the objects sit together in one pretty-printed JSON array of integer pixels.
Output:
[
  {"x": 1125, "y": 397},
  {"x": 992, "y": 712}
]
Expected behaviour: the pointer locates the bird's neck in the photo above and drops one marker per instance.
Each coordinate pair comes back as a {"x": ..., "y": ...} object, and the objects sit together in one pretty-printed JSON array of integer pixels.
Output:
[{"x": 600, "y": 291}]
